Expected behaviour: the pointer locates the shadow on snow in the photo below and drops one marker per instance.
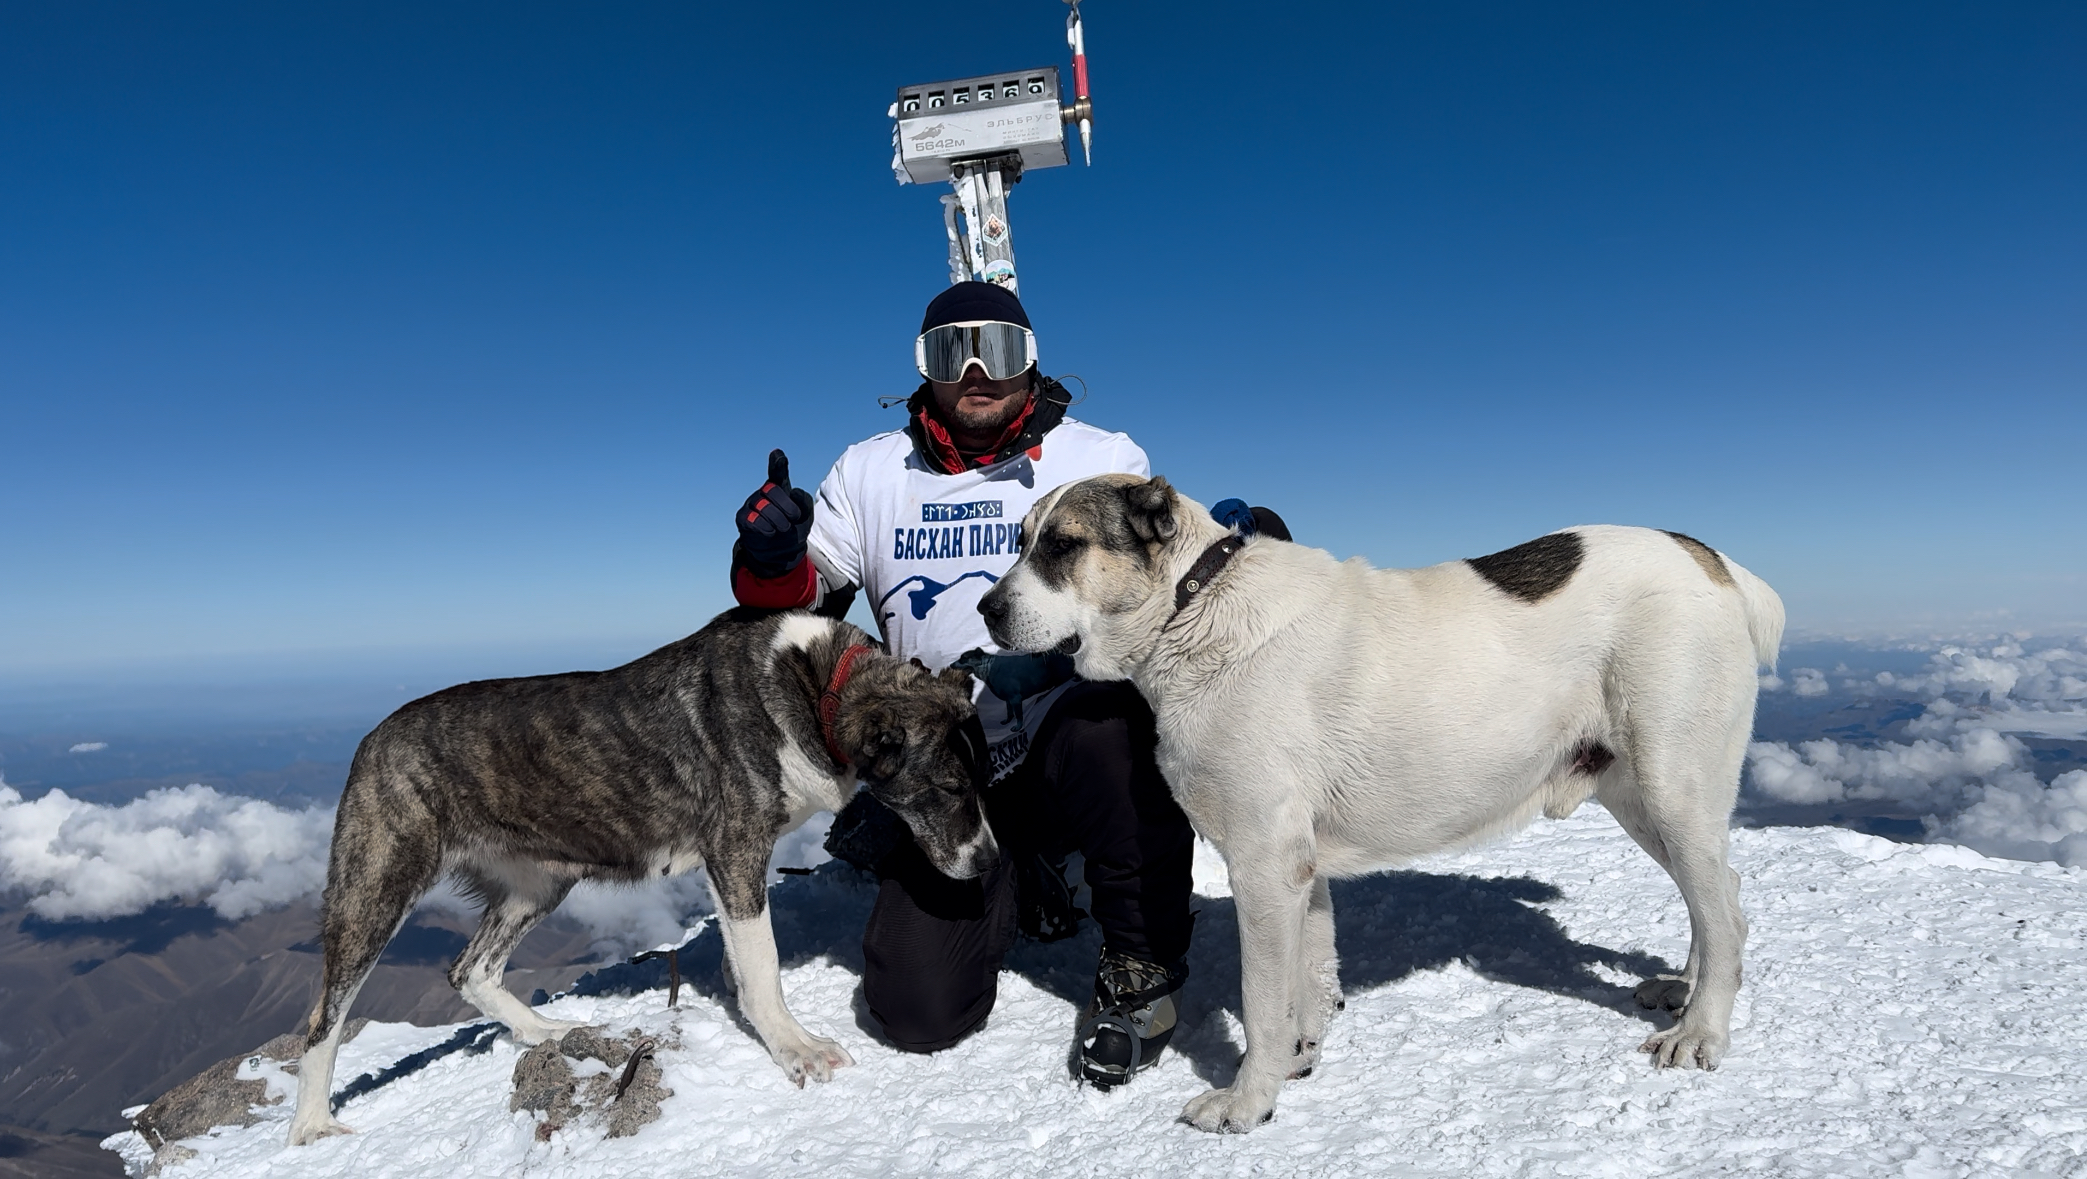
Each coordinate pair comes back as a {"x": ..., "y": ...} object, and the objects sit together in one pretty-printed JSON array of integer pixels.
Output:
[
  {"x": 471, "y": 1039},
  {"x": 1388, "y": 926}
]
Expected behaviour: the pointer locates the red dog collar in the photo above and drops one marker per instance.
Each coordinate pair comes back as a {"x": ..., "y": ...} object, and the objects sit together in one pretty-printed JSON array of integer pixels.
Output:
[{"x": 830, "y": 699}]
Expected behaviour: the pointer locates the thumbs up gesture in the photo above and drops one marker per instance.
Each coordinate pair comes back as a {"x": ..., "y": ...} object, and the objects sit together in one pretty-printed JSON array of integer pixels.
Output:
[{"x": 774, "y": 522}]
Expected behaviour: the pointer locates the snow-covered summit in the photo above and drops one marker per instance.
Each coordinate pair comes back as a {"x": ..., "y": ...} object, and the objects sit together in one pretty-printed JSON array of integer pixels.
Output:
[{"x": 1908, "y": 1010}]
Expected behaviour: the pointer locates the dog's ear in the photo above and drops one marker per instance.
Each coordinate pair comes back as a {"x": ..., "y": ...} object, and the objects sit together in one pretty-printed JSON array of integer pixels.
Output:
[
  {"x": 883, "y": 750},
  {"x": 956, "y": 677},
  {"x": 872, "y": 736},
  {"x": 1151, "y": 513}
]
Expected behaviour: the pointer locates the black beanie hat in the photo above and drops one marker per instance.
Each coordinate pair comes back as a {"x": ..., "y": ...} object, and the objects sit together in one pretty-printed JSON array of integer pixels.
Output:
[{"x": 967, "y": 301}]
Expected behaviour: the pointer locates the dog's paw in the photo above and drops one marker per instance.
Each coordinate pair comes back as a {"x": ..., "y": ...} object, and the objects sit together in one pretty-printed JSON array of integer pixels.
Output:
[
  {"x": 812, "y": 1058},
  {"x": 1665, "y": 993},
  {"x": 1227, "y": 1111},
  {"x": 538, "y": 1030},
  {"x": 1686, "y": 1046},
  {"x": 304, "y": 1132}
]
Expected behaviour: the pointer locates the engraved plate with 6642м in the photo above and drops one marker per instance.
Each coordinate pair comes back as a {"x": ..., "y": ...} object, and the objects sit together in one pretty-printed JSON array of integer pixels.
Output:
[{"x": 972, "y": 118}]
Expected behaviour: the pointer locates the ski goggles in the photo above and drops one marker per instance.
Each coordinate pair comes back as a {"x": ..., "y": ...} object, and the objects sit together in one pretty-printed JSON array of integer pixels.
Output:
[{"x": 1003, "y": 349}]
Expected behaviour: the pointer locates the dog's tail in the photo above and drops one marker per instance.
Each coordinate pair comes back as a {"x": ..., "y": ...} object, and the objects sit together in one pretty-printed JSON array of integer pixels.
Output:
[{"x": 1764, "y": 613}]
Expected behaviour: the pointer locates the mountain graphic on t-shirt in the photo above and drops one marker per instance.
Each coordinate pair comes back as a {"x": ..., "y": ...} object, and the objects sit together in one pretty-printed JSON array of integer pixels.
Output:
[{"x": 923, "y": 598}]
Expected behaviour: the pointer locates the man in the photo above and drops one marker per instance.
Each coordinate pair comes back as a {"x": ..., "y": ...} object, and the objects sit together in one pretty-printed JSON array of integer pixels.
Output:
[{"x": 925, "y": 519}]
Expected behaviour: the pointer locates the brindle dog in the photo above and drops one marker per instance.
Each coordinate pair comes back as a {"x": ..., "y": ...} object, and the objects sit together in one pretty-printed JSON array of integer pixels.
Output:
[{"x": 702, "y": 753}]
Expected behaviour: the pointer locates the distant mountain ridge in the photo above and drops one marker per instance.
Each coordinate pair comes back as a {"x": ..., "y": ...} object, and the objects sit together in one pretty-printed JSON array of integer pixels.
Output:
[{"x": 102, "y": 1015}]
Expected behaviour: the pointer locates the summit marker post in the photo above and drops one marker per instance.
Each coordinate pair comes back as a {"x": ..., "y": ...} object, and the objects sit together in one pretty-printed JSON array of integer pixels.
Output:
[{"x": 980, "y": 134}]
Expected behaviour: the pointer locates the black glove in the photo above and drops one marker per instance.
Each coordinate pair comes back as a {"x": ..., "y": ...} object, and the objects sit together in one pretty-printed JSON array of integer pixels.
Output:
[
  {"x": 774, "y": 522},
  {"x": 1267, "y": 523},
  {"x": 865, "y": 833}
]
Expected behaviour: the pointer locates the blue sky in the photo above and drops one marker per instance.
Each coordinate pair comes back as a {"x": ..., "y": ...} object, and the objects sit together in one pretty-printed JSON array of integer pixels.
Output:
[{"x": 330, "y": 330}]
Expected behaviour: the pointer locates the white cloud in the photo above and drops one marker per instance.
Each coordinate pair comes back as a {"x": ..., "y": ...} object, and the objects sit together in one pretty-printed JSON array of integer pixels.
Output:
[
  {"x": 2054, "y": 677},
  {"x": 236, "y": 855},
  {"x": 89, "y": 747},
  {"x": 1925, "y": 772},
  {"x": 1804, "y": 681},
  {"x": 629, "y": 918},
  {"x": 240, "y": 856},
  {"x": 1975, "y": 783},
  {"x": 632, "y": 917},
  {"x": 2025, "y": 820},
  {"x": 804, "y": 847}
]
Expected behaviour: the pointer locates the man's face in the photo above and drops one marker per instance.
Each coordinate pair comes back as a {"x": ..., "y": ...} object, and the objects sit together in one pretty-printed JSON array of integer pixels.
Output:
[{"x": 975, "y": 403}]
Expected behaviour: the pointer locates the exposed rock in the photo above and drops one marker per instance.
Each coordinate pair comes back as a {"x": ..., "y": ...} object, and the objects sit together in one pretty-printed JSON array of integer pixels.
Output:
[
  {"x": 217, "y": 1097},
  {"x": 589, "y": 1044},
  {"x": 639, "y": 1104},
  {"x": 545, "y": 1082}
]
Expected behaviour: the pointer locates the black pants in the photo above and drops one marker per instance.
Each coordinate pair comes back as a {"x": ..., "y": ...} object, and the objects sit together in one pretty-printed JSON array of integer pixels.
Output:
[{"x": 1089, "y": 784}]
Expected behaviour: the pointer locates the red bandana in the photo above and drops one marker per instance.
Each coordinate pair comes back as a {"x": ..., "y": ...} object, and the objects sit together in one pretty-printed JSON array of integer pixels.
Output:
[{"x": 952, "y": 460}]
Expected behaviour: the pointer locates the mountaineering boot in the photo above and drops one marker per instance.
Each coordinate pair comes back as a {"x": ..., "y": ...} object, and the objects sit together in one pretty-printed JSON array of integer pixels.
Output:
[
  {"x": 1129, "y": 1020},
  {"x": 1044, "y": 901}
]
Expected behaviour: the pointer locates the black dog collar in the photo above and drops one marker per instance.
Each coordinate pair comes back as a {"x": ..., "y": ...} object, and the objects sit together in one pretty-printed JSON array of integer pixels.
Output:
[{"x": 1207, "y": 567}]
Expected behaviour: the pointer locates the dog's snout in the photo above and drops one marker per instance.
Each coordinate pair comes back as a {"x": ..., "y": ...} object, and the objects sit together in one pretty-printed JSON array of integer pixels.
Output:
[
  {"x": 984, "y": 853},
  {"x": 994, "y": 607}
]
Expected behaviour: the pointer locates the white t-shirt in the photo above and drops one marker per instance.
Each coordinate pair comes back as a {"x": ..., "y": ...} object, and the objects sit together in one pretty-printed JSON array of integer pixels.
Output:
[{"x": 925, "y": 546}]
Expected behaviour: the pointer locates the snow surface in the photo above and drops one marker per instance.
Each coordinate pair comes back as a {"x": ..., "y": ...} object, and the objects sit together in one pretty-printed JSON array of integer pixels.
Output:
[{"x": 1909, "y": 1010}]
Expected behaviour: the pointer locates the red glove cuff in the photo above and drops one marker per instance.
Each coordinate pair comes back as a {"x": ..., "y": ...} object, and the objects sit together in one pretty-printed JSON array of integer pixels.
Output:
[{"x": 796, "y": 587}]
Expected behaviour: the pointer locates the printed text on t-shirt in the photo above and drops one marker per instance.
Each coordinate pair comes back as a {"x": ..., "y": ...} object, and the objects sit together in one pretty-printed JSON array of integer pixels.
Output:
[{"x": 961, "y": 540}]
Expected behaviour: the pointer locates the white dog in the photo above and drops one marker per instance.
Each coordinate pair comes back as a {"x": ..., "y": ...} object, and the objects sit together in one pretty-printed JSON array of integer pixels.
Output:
[{"x": 1320, "y": 718}]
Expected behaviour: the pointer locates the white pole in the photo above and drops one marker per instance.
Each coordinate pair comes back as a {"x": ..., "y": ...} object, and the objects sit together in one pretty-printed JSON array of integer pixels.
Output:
[
  {"x": 958, "y": 272},
  {"x": 974, "y": 223}
]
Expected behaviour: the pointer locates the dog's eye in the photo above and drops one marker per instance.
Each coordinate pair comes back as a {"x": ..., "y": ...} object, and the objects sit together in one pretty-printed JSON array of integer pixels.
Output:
[{"x": 1058, "y": 544}]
